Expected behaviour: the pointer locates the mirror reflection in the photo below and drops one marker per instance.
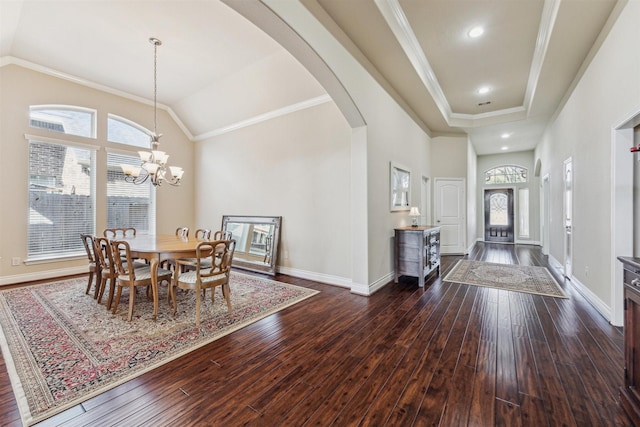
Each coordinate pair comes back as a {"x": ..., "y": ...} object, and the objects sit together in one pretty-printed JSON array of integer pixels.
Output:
[{"x": 256, "y": 241}]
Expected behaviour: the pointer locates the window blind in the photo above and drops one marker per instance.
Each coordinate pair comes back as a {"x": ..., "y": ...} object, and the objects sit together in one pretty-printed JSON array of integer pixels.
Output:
[
  {"x": 61, "y": 198},
  {"x": 128, "y": 205}
]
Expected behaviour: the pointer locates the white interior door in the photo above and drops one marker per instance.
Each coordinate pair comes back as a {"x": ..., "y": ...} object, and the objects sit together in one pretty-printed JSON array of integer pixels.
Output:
[
  {"x": 450, "y": 214},
  {"x": 568, "y": 217}
]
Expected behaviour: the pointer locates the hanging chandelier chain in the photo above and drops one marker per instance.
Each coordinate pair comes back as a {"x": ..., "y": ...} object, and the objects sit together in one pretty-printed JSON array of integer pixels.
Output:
[
  {"x": 156, "y": 43},
  {"x": 154, "y": 164}
]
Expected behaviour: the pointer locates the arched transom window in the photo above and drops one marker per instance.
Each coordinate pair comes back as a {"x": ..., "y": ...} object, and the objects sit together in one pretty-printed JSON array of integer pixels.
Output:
[{"x": 505, "y": 175}]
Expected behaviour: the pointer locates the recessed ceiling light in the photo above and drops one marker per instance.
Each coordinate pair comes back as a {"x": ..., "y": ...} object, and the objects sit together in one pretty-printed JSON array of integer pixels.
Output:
[
  {"x": 483, "y": 90},
  {"x": 505, "y": 135},
  {"x": 504, "y": 147},
  {"x": 475, "y": 32}
]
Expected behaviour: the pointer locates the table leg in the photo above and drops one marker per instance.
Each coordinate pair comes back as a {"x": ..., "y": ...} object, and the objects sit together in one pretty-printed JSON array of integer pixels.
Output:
[{"x": 154, "y": 286}]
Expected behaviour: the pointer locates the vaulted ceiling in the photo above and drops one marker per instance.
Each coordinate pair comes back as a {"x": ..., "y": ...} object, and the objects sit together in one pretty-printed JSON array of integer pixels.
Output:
[{"x": 215, "y": 68}]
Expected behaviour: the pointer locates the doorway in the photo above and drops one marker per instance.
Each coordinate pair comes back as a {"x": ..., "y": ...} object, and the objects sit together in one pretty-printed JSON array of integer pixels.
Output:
[
  {"x": 568, "y": 218},
  {"x": 498, "y": 215},
  {"x": 546, "y": 214}
]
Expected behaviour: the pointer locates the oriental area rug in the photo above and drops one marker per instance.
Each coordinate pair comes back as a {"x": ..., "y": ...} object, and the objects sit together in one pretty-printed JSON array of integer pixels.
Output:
[
  {"x": 519, "y": 278},
  {"x": 62, "y": 348}
]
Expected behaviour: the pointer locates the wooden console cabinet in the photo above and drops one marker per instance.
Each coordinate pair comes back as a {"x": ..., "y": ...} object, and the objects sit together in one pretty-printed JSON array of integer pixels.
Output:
[
  {"x": 630, "y": 392},
  {"x": 417, "y": 252}
]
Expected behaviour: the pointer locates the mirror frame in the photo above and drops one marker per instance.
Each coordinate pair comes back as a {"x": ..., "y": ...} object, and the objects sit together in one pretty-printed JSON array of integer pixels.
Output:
[
  {"x": 398, "y": 174},
  {"x": 269, "y": 268}
]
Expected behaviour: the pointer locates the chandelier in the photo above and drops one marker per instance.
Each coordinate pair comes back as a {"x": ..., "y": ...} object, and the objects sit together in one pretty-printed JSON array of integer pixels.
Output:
[{"x": 154, "y": 163}]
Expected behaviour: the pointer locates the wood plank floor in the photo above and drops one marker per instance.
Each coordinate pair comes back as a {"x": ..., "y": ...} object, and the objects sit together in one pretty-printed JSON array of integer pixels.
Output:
[{"x": 448, "y": 355}]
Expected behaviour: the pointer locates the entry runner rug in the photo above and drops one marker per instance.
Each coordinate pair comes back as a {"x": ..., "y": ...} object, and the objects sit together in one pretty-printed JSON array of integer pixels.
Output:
[
  {"x": 61, "y": 348},
  {"x": 519, "y": 278}
]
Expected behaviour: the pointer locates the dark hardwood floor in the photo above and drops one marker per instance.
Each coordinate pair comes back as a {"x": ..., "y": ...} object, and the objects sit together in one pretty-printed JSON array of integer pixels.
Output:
[{"x": 448, "y": 355}]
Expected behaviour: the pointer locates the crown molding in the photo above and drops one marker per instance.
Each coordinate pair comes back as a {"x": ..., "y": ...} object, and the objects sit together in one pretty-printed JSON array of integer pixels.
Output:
[{"x": 264, "y": 117}]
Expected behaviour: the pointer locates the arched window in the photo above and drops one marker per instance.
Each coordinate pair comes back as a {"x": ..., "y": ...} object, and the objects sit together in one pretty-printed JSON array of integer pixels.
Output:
[
  {"x": 65, "y": 119},
  {"x": 507, "y": 174},
  {"x": 124, "y": 131}
]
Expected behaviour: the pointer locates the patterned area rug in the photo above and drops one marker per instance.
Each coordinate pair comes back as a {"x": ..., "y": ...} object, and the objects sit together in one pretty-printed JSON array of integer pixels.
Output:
[
  {"x": 62, "y": 348},
  {"x": 519, "y": 278}
]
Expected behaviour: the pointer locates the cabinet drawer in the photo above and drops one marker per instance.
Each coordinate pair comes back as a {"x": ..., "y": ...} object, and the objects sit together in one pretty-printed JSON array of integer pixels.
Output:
[
  {"x": 408, "y": 268},
  {"x": 410, "y": 240},
  {"x": 409, "y": 253},
  {"x": 631, "y": 277}
]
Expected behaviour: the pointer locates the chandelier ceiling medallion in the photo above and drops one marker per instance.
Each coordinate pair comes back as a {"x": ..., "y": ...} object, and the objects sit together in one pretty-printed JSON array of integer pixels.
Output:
[{"x": 154, "y": 163}]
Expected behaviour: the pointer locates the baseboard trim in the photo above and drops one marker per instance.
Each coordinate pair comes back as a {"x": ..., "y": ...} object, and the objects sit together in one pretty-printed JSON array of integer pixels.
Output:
[
  {"x": 342, "y": 282},
  {"x": 591, "y": 298},
  {"x": 42, "y": 275}
]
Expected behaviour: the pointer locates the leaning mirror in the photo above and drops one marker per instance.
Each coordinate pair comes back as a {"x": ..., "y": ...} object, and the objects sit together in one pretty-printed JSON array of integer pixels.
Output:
[{"x": 257, "y": 239}]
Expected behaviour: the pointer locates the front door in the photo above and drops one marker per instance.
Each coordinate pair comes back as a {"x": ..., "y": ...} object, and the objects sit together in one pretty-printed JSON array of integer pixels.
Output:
[{"x": 498, "y": 215}]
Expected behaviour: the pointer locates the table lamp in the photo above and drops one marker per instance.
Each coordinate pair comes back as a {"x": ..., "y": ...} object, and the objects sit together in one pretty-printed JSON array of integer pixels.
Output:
[{"x": 414, "y": 213}]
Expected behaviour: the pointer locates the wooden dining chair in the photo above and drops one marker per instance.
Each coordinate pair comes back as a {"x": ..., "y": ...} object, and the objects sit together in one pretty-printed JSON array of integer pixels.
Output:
[
  {"x": 222, "y": 235},
  {"x": 182, "y": 232},
  {"x": 207, "y": 278},
  {"x": 208, "y": 263},
  {"x": 190, "y": 263},
  {"x": 94, "y": 266},
  {"x": 104, "y": 258},
  {"x": 116, "y": 233},
  {"x": 203, "y": 233},
  {"x": 131, "y": 275}
]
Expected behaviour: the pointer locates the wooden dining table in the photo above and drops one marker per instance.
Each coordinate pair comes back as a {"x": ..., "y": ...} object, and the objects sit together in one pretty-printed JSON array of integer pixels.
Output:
[{"x": 157, "y": 248}]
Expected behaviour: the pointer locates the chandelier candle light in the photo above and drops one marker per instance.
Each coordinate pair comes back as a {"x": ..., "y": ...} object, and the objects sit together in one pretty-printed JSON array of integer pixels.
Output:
[{"x": 154, "y": 163}]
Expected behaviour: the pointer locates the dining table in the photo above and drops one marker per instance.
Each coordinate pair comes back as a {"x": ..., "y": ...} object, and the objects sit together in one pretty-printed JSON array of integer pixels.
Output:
[{"x": 157, "y": 248}]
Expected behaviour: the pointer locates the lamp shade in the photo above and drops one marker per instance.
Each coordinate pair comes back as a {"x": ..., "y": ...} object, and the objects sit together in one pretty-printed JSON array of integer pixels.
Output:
[{"x": 414, "y": 211}]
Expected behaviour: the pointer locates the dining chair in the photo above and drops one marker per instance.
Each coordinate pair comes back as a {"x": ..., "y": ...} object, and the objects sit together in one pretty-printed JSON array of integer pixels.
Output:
[
  {"x": 205, "y": 278},
  {"x": 190, "y": 263},
  {"x": 113, "y": 233},
  {"x": 94, "y": 266},
  {"x": 222, "y": 235},
  {"x": 104, "y": 258},
  {"x": 131, "y": 275},
  {"x": 182, "y": 232},
  {"x": 203, "y": 233}
]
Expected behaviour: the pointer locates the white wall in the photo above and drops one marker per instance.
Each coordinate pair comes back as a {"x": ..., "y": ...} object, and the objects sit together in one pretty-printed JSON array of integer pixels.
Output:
[
  {"x": 22, "y": 87},
  {"x": 607, "y": 93},
  {"x": 391, "y": 135},
  {"x": 449, "y": 157},
  {"x": 636, "y": 195},
  {"x": 296, "y": 166}
]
